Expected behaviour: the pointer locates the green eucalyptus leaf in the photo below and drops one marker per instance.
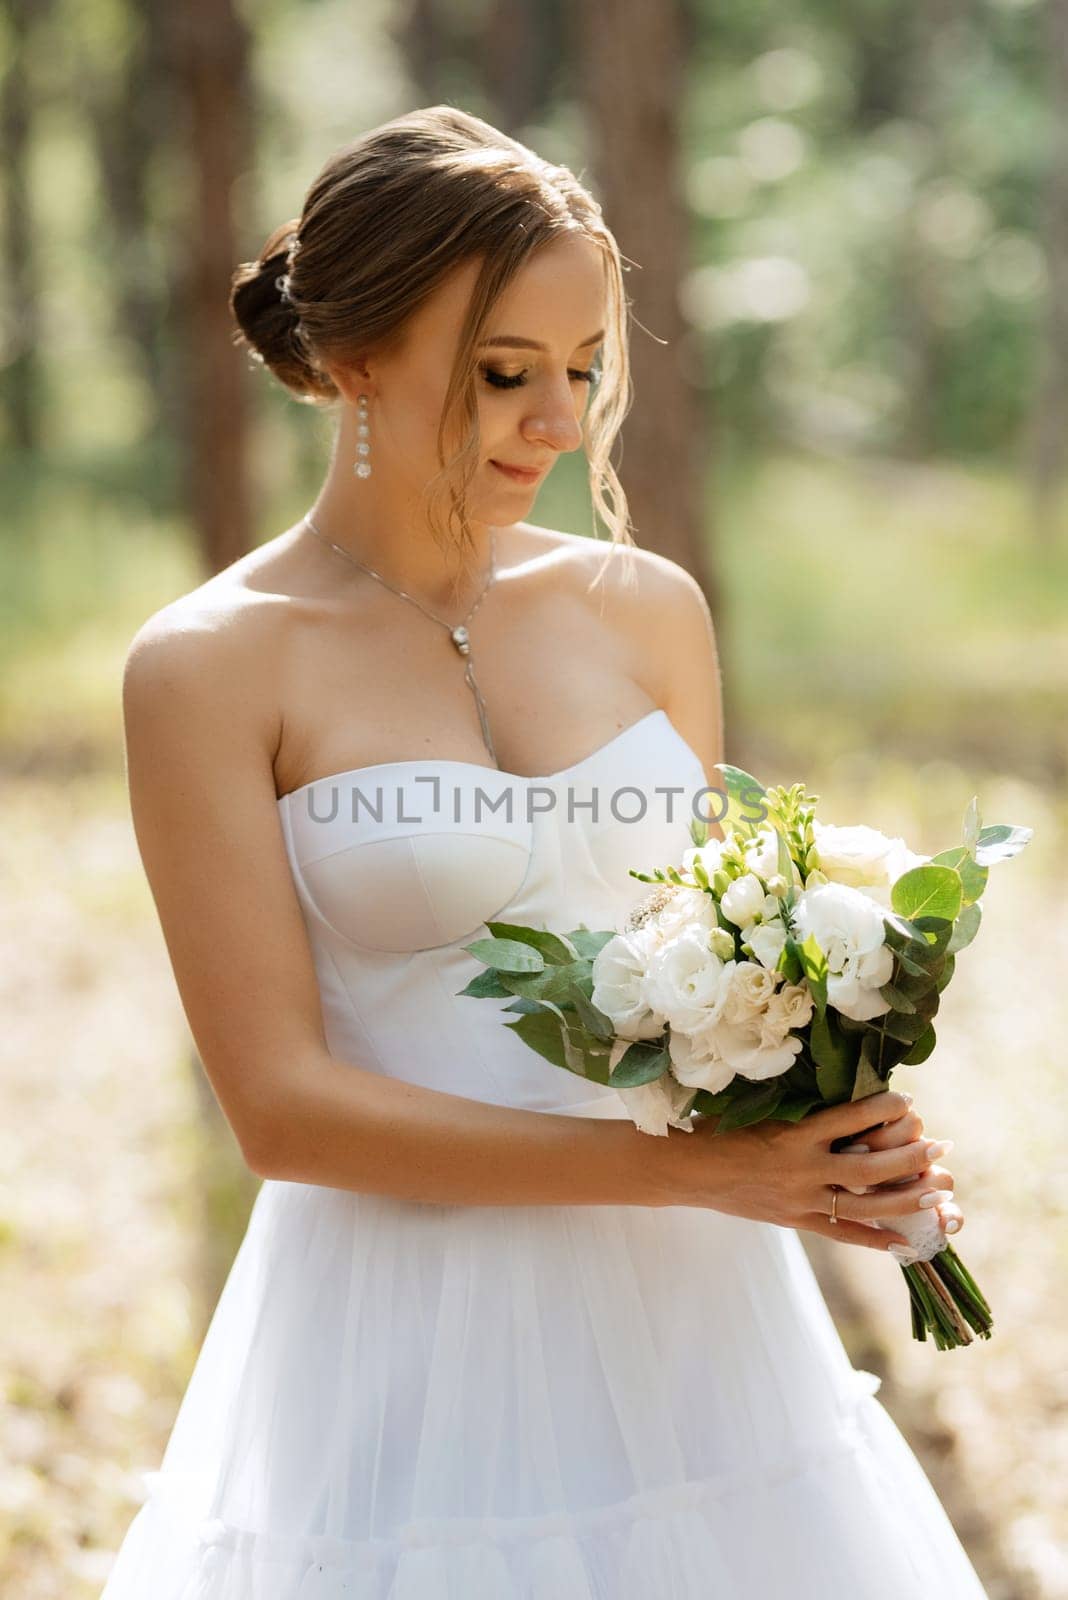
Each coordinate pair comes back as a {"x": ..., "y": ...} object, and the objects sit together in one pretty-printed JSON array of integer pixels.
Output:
[
  {"x": 485, "y": 985},
  {"x": 965, "y": 929},
  {"x": 507, "y": 955},
  {"x": 927, "y": 891},
  {"x": 868, "y": 1080},
  {"x": 551, "y": 985},
  {"x": 642, "y": 1062},
  {"x": 899, "y": 1001},
  {"x": 789, "y": 962},
  {"x": 589, "y": 944},
  {"x": 794, "y": 1110},
  {"x": 785, "y": 861},
  {"x": 744, "y": 795},
  {"x": 937, "y": 932},
  {"x": 834, "y": 1055},
  {"x": 973, "y": 877},
  {"x": 921, "y": 1049},
  {"x": 541, "y": 1032},
  {"x": 554, "y": 947},
  {"x": 1000, "y": 842},
  {"x": 814, "y": 964},
  {"x": 751, "y": 1103},
  {"x": 591, "y": 1016},
  {"x": 905, "y": 1028}
]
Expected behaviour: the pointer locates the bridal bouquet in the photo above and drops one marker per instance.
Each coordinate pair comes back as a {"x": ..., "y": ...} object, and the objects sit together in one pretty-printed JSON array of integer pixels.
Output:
[{"x": 787, "y": 967}]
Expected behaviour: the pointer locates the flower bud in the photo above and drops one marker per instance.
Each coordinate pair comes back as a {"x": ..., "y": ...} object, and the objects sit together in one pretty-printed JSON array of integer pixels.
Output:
[{"x": 721, "y": 944}]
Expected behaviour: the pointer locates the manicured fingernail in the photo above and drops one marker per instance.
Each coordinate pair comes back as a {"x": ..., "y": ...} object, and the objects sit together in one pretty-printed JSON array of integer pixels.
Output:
[
  {"x": 937, "y": 1148},
  {"x": 952, "y": 1225},
  {"x": 933, "y": 1196},
  {"x": 854, "y": 1150}
]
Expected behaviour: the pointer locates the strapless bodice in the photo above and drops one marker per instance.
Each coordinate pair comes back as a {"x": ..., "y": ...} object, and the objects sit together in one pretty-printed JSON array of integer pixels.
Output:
[{"x": 397, "y": 866}]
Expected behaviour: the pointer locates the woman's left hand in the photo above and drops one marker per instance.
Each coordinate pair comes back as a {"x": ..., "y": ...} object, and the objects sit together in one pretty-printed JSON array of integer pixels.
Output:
[{"x": 903, "y": 1130}]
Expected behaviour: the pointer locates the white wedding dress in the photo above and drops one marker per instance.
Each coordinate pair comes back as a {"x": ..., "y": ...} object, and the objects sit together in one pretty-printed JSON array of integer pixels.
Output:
[{"x": 405, "y": 1401}]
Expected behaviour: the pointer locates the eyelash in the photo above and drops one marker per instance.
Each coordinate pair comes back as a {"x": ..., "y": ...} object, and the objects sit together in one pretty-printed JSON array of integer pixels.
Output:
[{"x": 505, "y": 380}]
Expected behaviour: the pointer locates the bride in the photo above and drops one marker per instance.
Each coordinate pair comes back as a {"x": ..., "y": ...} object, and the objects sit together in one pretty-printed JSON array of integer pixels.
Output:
[{"x": 482, "y": 1340}]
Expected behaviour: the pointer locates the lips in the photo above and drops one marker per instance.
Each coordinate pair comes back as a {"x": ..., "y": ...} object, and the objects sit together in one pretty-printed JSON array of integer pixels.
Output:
[{"x": 520, "y": 474}]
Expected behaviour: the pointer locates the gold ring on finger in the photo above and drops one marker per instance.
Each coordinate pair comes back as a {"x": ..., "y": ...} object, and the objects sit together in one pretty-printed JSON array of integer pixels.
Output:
[{"x": 834, "y": 1202}]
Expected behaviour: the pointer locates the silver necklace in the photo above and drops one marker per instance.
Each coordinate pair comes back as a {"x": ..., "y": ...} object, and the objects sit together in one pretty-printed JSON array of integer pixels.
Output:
[{"x": 457, "y": 634}]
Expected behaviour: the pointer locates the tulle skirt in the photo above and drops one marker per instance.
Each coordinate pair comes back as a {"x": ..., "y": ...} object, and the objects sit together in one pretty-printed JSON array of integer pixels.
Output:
[{"x": 400, "y": 1401}]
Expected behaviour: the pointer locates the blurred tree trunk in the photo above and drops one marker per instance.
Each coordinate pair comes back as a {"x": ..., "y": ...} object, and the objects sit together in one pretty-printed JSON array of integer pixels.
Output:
[
  {"x": 422, "y": 40},
  {"x": 630, "y": 63},
  {"x": 1049, "y": 422},
  {"x": 22, "y": 384},
  {"x": 521, "y": 46},
  {"x": 212, "y": 51},
  {"x": 131, "y": 116},
  {"x": 934, "y": 37}
]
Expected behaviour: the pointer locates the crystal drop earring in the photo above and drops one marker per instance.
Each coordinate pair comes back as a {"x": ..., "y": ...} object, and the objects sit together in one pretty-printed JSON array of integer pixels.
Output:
[{"x": 362, "y": 467}]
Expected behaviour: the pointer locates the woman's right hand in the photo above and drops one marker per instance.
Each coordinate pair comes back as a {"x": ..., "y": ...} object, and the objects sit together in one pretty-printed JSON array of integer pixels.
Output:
[{"x": 786, "y": 1172}]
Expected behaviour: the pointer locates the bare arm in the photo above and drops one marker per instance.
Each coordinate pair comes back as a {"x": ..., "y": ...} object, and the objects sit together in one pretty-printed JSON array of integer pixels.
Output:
[{"x": 200, "y": 738}]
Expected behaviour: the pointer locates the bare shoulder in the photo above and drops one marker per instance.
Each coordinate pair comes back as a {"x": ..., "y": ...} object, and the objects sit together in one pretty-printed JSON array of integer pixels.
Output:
[
  {"x": 663, "y": 612},
  {"x": 650, "y": 582},
  {"x": 219, "y": 640}
]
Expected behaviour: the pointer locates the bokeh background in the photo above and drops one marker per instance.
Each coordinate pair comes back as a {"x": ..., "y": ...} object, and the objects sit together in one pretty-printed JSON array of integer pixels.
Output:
[{"x": 847, "y": 231}]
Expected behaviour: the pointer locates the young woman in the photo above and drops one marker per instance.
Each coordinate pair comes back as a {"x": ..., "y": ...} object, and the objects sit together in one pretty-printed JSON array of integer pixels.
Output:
[{"x": 483, "y": 1339}]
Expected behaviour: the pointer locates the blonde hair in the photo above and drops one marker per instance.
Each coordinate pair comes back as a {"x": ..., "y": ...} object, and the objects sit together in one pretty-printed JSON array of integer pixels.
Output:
[{"x": 389, "y": 217}]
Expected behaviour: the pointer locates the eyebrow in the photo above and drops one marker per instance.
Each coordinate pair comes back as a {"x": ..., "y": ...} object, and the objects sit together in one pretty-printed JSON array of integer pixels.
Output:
[{"x": 514, "y": 342}]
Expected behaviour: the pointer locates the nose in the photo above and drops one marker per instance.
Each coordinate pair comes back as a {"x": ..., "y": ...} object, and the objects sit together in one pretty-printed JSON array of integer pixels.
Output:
[{"x": 555, "y": 422}]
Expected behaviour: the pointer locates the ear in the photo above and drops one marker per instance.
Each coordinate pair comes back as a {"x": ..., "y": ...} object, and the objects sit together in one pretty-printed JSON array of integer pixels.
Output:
[{"x": 351, "y": 379}]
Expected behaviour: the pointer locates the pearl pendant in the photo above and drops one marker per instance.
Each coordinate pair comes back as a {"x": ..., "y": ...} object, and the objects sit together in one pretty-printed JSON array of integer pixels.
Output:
[{"x": 459, "y": 638}]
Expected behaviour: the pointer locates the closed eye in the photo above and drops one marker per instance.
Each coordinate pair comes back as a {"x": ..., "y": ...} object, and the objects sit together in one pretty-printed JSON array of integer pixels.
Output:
[{"x": 505, "y": 380}]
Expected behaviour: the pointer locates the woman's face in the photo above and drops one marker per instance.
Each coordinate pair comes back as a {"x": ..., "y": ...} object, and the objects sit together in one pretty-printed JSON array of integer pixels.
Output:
[{"x": 533, "y": 385}]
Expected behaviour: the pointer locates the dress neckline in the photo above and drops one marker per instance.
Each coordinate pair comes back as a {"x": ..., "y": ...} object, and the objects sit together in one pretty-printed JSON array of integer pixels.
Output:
[{"x": 479, "y": 766}]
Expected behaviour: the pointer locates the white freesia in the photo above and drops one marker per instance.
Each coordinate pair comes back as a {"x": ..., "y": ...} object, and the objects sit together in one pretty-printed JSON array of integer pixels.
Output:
[
  {"x": 686, "y": 983},
  {"x": 863, "y": 858},
  {"x": 710, "y": 855},
  {"x": 743, "y": 900},
  {"x": 762, "y": 854},
  {"x": 619, "y": 970},
  {"x": 848, "y": 927}
]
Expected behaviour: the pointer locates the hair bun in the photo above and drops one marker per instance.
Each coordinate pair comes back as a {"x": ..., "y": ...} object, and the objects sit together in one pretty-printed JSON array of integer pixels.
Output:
[{"x": 262, "y": 304}]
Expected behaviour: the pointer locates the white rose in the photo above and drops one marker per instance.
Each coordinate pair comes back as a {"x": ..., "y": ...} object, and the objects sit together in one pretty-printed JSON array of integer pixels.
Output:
[
  {"x": 751, "y": 987},
  {"x": 789, "y": 1008},
  {"x": 697, "y": 1064},
  {"x": 686, "y": 983},
  {"x": 740, "y": 1045},
  {"x": 655, "y": 1107},
  {"x": 766, "y": 940},
  {"x": 686, "y": 908},
  {"x": 619, "y": 971},
  {"x": 744, "y": 899},
  {"x": 863, "y": 858},
  {"x": 848, "y": 927}
]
